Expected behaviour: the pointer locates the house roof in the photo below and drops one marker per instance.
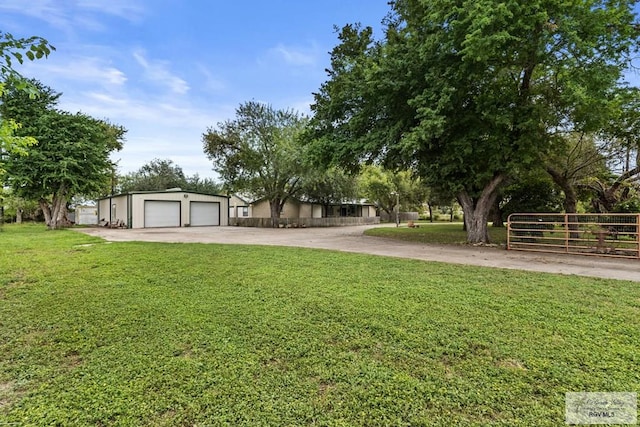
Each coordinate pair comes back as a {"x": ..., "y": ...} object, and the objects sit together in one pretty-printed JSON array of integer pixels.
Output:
[{"x": 171, "y": 190}]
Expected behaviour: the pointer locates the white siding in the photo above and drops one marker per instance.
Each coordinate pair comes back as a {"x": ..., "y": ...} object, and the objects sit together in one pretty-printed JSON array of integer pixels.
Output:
[
  {"x": 204, "y": 214},
  {"x": 161, "y": 213},
  {"x": 185, "y": 199}
]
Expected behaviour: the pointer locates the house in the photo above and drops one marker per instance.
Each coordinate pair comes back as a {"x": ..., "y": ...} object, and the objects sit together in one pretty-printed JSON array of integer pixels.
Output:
[
  {"x": 239, "y": 206},
  {"x": 301, "y": 213},
  {"x": 171, "y": 208}
]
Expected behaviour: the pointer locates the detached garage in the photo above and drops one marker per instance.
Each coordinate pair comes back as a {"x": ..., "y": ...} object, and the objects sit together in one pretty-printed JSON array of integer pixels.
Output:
[{"x": 171, "y": 208}]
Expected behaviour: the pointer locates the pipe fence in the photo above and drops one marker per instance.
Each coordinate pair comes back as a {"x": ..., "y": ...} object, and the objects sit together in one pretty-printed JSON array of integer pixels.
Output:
[{"x": 611, "y": 234}]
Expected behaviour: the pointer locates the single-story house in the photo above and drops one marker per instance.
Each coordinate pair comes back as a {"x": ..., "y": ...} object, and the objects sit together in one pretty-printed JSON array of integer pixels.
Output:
[
  {"x": 241, "y": 207},
  {"x": 171, "y": 208}
]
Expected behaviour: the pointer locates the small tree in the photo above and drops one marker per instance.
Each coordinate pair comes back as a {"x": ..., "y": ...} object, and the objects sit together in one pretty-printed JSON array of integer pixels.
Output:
[
  {"x": 385, "y": 189},
  {"x": 259, "y": 153}
]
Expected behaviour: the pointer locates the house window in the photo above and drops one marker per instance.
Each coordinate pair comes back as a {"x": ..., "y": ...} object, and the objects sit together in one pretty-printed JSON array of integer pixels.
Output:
[
  {"x": 113, "y": 212},
  {"x": 245, "y": 211}
]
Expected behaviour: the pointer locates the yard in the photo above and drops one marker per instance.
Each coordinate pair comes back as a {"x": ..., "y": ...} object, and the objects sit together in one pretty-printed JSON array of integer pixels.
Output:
[
  {"x": 436, "y": 232},
  {"x": 205, "y": 334}
]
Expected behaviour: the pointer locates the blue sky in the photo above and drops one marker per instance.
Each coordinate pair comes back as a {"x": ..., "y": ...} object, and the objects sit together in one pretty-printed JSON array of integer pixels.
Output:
[{"x": 168, "y": 69}]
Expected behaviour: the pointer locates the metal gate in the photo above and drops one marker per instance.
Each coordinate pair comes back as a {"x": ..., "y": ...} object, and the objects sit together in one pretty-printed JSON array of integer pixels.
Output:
[{"x": 613, "y": 235}]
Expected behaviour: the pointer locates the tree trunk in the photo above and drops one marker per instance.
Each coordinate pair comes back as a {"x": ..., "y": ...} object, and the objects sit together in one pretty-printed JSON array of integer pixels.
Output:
[
  {"x": 46, "y": 211},
  {"x": 570, "y": 202},
  {"x": 496, "y": 213},
  {"x": 54, "y": 214},
  {"x": 57, "y": 212},
  {"x": 430, "y": 212},
  {"x": 476, "y": 211},
  {"x": 19, "y": 216},
  {"x": 275, "y": 208}
]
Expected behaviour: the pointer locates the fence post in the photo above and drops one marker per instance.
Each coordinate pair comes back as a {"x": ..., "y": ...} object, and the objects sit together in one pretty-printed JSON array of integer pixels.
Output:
[
  {"x": 509, "y": 232},
  {"x": 638, "y": 235},
  {"x": 566, "y": 233}
]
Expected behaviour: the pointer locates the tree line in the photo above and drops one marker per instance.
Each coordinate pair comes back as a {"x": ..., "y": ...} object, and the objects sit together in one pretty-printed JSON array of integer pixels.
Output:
[{"x": 501, "y": 106}]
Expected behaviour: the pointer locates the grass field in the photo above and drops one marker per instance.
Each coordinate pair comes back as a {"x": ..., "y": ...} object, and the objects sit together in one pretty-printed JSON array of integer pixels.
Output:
[
  {"x": 449, "y": 233},
  {"x": 148, "y": 334}
]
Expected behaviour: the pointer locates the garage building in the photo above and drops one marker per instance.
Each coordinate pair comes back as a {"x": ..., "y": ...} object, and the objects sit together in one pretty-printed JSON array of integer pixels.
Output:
[{"x": 171, "y": 208}]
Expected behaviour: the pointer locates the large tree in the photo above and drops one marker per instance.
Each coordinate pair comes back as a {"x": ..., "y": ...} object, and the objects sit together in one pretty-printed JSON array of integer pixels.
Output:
[
  {"x": 70, "y": 159},
  {"x": 259, "y": 153},
  {"x": 468, "y": 91}
]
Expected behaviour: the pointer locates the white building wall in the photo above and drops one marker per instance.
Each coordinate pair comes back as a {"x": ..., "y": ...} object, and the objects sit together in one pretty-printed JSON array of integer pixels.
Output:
[
  {"x": 113, "y": 209},
  {"x": 138, "y": 200}
]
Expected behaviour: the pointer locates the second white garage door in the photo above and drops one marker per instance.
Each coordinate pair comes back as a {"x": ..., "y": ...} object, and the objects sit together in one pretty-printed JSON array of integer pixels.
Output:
[
  {"x": 163, "y": 213},
  {"x": 205, "y": 214}
]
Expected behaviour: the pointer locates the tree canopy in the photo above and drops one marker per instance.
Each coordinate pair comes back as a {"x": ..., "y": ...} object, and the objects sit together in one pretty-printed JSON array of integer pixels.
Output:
[
  {"x": 11, "y": 50},
  {"x": 467, "y": 92},
  {"x": 163, "y": 174},
  {"x": 71, "y": 157},
  {"x": 385, "y": 189},
  {"x": 259, "y": 153}
]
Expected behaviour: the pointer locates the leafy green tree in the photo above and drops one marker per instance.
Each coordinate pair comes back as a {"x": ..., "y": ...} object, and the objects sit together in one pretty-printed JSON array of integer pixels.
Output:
[
  {"x": 259, "y": 153},
  {"x": 157, "y": 175},
  {"x": 16, "y": 208},
  {"x": 163, "y": 174},
  {"x": 70, "y": 159},
  {"x": 469, "y": 91},
  {"x": 202, "y": 185},
  {"x": 385, "y": 189},
  {"x": 573, "y": 163},
  {"x": 533, "y": 191},
  {"x": 17, "y": 50},
  {"x": 14, "y": 49},
  {"x": 617, "y": 189}
]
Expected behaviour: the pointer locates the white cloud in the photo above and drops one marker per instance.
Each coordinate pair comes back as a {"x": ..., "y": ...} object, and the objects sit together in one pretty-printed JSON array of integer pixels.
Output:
[
  {"x": 45, "y": 10},
  {"x": 80, "y": 69},
  {"x": 298, "y": 57},
  {"x": 130, "y": 10},
  {"x": 155, "y": 129},
  {"x": 211, "y": 82},
  {"x": 158, "y": 72},
  {"x": 71, "y": 14}
]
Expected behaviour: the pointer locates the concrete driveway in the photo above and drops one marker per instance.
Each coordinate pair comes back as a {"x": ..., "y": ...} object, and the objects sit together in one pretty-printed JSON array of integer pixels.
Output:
[{"x": 352, "y": 239}]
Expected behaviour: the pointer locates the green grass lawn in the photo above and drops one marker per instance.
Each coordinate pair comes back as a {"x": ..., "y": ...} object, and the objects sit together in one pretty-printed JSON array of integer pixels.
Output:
[
  {"x": 437, "y": 232},
  {"x": 148, "y": 334}
]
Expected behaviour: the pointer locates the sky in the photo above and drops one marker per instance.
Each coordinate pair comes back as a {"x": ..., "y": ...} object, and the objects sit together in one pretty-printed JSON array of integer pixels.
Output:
[{"x": 167, "y": 70}]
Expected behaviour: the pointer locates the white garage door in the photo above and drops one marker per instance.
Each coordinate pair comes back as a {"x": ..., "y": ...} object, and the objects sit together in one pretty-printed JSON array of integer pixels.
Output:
[
  {"x": 161, "y": 213},
  {"x": 205, "y": 214}
]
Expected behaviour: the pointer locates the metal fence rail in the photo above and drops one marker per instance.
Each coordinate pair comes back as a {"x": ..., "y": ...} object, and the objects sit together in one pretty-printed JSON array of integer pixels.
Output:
[{"x": 613, "y": 235}]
